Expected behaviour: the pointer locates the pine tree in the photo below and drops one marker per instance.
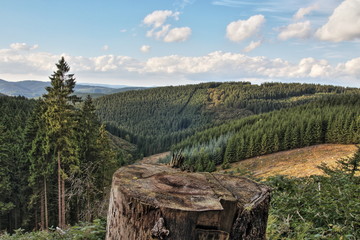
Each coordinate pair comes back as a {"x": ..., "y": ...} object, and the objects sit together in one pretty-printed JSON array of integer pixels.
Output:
[
  {"x": 276, "y": 143},
  {"x": 41, "y": 163},
  {"x": 5, "y": 184},
  {"x": 60, "y": 124},
  {"x": 265, "y": 146},
  {"x": 230, "y": 152}
]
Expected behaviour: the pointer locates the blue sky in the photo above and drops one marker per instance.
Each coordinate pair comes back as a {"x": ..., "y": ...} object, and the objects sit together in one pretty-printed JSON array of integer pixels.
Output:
[{"x": 163, "y": 42}]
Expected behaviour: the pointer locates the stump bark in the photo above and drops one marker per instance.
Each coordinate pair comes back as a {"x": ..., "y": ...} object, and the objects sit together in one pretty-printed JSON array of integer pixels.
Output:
[{"x": 158, "y": 202}]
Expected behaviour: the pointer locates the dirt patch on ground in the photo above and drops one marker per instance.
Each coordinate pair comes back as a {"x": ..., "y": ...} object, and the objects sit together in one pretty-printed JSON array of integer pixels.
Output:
[
  {"x": 153, "y": 159},
  {"x": 297, "y": 163}
]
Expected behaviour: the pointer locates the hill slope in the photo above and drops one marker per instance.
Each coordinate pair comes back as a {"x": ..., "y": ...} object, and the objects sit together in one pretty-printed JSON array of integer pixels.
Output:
[
  {"x": 157, "y": 118},
  {"x": 299, "y": 162},
  {"x": 33, "y": 89}
]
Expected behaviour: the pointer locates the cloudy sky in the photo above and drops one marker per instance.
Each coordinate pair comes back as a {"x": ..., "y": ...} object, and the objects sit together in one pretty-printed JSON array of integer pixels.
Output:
[{"x": 164, "y": 42}]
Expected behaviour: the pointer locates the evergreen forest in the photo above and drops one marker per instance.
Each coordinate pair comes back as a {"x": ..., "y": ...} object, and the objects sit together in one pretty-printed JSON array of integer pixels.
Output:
[{"x": 58, "y": 152}]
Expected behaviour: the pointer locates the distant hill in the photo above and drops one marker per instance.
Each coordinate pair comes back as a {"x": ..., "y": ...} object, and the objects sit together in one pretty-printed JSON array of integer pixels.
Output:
[
  {"x": 34, "y": 89},
  {"x": 157, "y": 118}
]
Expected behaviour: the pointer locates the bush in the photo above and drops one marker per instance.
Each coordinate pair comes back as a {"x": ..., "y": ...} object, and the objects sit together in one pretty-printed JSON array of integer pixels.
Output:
[
  {"x": 316, "y": 207},
  {"x": 83, "y": 231}
]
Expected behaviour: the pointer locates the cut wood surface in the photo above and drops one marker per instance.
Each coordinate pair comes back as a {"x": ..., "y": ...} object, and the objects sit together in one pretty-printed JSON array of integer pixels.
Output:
[{"x": 186, "y": 205}]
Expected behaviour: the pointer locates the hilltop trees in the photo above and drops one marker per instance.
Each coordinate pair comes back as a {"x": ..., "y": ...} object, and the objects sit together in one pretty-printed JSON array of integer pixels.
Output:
[
  {"x": 67, "y": 141},
  {"x": 332, "y": 119},
  {"x": 59, "y": 118}
]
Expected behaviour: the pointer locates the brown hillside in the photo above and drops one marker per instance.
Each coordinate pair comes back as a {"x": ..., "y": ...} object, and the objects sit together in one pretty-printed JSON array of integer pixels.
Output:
[{"x": 297, "y": 163}]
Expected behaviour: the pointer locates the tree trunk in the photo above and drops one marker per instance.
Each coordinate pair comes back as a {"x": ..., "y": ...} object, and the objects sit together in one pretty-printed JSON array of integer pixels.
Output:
[
  {"x": 63, "y": 206},
  {"x": 36, "y": 218},
  {"x": 59, "y": 192},
  {"x": 42, "y": 212},
  {"x": 46, "y": 205},
  {"x": 161, "y": 202}
]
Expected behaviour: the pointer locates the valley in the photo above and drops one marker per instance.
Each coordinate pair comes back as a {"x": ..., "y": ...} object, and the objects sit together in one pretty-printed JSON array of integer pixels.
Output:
[{"x": 275, "y": 132}]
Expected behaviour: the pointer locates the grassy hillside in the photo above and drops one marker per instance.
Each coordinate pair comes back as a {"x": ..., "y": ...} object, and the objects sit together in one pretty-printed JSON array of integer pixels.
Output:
[
  {"x": 299, "y": 162},
  {"x": 157, "y": 118},
  {"x": 333, "y": 119}
]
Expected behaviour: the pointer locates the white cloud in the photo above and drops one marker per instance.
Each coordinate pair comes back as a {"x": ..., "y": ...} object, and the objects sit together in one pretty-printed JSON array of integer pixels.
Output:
[
  {"x": 351, "y": 67},
  {"x": 160, "y": 33},
  {"x": 343, "y": 24},
  {"x": 23, "y": 46},
  {"x": 239, "y": 30},
  {"x": 177, "y": 69},
  {"x": 296, "y": 30},
  {"x": 302, "y": 12},
  {"x": 145, "y": 48},
  {"x": 163, "y": 32},
  {"x": 252, "y": 45},
  {"x": 105, "y": 47},
  {"x": 178, "y": 34},
  {"x": 123, "y": 30},
  {"x": 158, "y": 17}
]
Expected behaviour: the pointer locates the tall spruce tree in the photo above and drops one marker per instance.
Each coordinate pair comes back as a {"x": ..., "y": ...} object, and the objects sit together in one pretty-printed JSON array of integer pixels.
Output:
[{"x": 60, "y": 124}]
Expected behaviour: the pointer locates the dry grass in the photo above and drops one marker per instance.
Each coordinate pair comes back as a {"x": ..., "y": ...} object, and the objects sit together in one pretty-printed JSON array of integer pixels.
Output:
[
  {"x": 297, "y": 163},
  {"x": 153, "y": 159}
]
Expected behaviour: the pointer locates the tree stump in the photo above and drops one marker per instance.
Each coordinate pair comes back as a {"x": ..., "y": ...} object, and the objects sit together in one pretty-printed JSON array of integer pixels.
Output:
[{"x": 158, "y": 202}]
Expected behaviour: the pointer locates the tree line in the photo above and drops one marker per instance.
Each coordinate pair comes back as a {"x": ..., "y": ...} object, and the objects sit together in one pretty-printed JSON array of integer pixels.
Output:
[
  {"x": 331, "y": 119},
  {"x": 155, "y": 119},
  {"x": 56, "y": 158}
]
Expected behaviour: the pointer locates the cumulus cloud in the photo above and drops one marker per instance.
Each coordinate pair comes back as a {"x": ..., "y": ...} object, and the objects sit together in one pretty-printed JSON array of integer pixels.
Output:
[
  {"x": 178, "y": 34},
  {"x": 158, "y": 17},
  {"x": 239, "y": 30},
  {"x": 23, "y": 46},
  {"x": 351, "y": 67},
  {"x": 302, "y": 12},
  {"x": 296, "y": 30},
  {"x": 233, "y": 65},
  {"x": 158, "y": 34},
  {"x": 105, "y": 47},
  {"x": 343, "y": 24},
  {"x": 162, "y": 31},
  {"x": 145, "y": 48},
  {"x": 177, "y": 69},
  {"x": 252, "y": 45}
]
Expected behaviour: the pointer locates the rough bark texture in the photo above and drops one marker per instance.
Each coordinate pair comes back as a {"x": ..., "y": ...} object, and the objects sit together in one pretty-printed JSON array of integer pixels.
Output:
[{"x": 155, "y": 201}]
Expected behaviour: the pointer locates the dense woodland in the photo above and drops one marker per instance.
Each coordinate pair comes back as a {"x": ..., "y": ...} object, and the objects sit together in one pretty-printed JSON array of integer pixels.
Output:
[
  {"x": 57, "y": 158},
  {"x": 155, "y": 119},
  {"x": 330, "y": 119}
]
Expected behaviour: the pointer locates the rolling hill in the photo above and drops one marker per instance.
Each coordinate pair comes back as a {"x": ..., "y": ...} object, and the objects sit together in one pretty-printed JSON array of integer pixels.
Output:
[
  {"x": 33, "y": 89},
  {"x": 156, "y": 119}
]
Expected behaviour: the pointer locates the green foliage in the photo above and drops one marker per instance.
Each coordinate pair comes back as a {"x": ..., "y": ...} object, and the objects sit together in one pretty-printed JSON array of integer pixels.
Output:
[
  {"x": 155, "y": 119},
  {"x": 316, "y": 207},
  {"x": 331, "y": 119},
  {"x": 14, "y": 170},
  {"x": 83, "y": 231},
  {"x": 33, "y": 135}
]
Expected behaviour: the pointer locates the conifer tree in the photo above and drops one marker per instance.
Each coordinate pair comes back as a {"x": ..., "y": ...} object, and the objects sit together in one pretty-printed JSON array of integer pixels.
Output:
[
  {"x": 60, "y": 123},
  {"x": 41, "y": 164},
  {"x": 5, "y": 185}
]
